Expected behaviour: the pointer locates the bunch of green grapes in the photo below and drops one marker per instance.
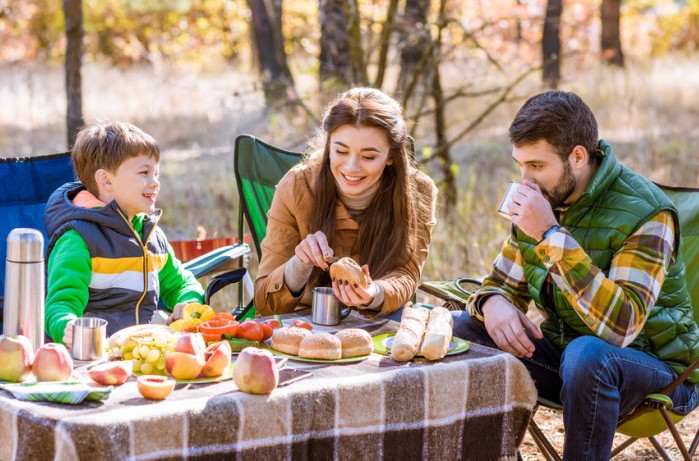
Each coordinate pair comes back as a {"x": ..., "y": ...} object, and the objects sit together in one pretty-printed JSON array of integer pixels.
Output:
[{"x": 147, "y": 352}]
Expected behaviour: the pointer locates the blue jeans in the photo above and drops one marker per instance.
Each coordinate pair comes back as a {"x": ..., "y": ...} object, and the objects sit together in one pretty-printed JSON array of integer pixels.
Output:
[{"x": 595, "y": 381}]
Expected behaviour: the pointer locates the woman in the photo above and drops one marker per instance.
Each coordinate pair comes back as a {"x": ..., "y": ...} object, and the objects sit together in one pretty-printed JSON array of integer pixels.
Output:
[{"x": 356, "y": 194}]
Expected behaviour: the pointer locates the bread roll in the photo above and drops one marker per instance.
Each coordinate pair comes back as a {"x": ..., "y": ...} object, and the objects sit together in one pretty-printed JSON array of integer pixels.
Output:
[
  {"x": 287, "y": 340},
  {"x": 409, "y": 335},
  {"x": 355, "y": 342},
  {"x": 320, "y": 346},
  {"x": 435, "y": 344},
  {"x": 348, "y": 269}
]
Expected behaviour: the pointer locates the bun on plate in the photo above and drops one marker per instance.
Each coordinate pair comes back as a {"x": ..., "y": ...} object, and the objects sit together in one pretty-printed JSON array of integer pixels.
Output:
[
  {"x": 355, "y": 342},
  {"x": 320, "y": 346},
  {"x": 348, "y": 269},
  {"x": 287, "y": 340}
]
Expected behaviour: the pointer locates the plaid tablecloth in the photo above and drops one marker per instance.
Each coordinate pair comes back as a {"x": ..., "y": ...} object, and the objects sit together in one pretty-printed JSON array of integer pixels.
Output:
[{"x": 473, "y": 406}]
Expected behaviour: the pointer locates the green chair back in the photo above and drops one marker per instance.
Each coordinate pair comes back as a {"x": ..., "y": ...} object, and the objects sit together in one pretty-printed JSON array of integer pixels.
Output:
[
  {"x": 687, "y": 202},
  {"x": 258, "y": 168}
]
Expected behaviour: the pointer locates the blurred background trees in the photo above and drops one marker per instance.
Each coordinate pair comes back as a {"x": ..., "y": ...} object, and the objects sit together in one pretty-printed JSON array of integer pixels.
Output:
[{"x": 450, "y": 62}]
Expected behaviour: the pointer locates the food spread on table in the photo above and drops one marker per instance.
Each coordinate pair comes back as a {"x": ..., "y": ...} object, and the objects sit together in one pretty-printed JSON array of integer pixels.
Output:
[{"x": 200, "y": 347}]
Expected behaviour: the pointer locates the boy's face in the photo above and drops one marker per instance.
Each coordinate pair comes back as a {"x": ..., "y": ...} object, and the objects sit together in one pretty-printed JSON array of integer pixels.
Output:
[{"x": 134, "y": 185}]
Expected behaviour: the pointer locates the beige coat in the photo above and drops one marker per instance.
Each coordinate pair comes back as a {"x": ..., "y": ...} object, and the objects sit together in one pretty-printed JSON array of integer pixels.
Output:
[{"x": 288, "y": 224}]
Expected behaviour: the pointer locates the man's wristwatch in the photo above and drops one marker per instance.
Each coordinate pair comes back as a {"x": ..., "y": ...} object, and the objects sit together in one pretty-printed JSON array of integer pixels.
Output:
[{"x": 550, "y": 231}]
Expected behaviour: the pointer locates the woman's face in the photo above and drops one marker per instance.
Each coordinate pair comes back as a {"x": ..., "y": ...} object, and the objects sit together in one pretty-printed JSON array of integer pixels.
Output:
[{"x": 358, "y": 156}]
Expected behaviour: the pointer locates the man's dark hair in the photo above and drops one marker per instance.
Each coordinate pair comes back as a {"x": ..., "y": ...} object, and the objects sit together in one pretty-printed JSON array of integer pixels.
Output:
[{"x": 559, "y": 117}]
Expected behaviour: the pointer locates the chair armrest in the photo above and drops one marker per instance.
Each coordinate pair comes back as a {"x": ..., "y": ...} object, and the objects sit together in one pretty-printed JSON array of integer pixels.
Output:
[{"x": 212, "y": 260}]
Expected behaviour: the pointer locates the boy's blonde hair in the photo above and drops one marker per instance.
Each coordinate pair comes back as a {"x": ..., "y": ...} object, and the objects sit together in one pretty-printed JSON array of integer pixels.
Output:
[{"x": 106, "y": 146}]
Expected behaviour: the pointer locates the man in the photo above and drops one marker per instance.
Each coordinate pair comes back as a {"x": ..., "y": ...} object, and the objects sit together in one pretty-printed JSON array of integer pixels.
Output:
[{"x": 596, "y": 247}]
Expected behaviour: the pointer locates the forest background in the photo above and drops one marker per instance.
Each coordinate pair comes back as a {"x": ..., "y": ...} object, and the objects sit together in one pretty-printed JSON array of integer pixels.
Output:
[{"x": 197, "y": 73}]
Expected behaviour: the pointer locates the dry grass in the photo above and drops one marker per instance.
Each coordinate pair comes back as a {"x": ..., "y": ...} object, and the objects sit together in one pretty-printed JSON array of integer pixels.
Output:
[{"x": 648, "y": 113}]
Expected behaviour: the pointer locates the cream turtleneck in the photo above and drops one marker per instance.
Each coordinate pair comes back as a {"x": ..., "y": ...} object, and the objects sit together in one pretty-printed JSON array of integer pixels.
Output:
[{"x": 296, "y": 273}]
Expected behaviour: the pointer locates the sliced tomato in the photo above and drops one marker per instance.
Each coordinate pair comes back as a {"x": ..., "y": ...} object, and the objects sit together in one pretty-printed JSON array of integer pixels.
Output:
[
  {"x": 211, "y": 337},
  {"x": 214, "y": 327}
]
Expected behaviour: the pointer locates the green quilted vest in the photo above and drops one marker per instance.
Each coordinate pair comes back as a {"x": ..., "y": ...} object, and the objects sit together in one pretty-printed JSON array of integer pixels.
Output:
[{"x": 616, "y": 203}]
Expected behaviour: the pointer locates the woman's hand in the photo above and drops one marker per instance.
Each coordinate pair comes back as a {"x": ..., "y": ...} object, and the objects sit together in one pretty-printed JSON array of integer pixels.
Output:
[
  {"x": 355, "y": 295},
  {"x": 314, "y": 250}
]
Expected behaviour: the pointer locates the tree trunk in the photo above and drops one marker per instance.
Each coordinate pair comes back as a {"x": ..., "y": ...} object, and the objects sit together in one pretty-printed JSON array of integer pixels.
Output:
[
  {"x": 611, "y": 35},
  {"x": 385, "y": 42},
  {"x": 414, "y": 54},
  {"x": 551, "y": 44},
  {"x": 73, "y": 62},
  {"x": 268, "y": 39},
  {"x": 341, "y": 52}
]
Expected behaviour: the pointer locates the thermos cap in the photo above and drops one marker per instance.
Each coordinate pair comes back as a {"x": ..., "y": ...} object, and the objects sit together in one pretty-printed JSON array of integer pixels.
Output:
[{"x": 25, "y": 245}]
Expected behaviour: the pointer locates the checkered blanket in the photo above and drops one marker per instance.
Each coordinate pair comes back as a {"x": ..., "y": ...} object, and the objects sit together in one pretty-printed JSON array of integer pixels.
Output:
[{"x": 473, "y": 406}]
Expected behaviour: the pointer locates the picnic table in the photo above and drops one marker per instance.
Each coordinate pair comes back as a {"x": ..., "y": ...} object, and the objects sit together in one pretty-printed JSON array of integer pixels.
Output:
[{"x": 474, "y": 405}]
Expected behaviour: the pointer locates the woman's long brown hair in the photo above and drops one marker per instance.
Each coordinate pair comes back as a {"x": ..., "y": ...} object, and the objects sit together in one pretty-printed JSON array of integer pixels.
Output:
[{"x": 388, "y": 230}]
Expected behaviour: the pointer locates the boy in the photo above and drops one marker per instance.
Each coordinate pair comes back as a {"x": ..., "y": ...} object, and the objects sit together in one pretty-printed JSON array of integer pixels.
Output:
[{"x": 106, "y": 256}]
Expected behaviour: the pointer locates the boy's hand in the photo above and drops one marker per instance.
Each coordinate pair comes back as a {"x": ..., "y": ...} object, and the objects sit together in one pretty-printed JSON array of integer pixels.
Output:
[
  {"x": 176, "y": 313},
  {"x": 68, "y": 334}
]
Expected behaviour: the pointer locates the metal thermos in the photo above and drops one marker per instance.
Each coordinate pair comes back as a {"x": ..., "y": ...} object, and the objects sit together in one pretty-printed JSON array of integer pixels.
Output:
[{"x": 24, "y": 286}]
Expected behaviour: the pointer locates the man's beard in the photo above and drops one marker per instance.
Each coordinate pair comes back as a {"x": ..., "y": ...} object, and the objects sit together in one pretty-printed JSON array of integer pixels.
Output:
[{"x": 563, "y": 188}]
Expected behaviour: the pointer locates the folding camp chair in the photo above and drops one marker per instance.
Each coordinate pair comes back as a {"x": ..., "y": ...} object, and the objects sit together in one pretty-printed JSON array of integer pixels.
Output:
[
  {"x": 258, "y": 168},
  {"x": 654, "y": 416},
  {"x": 25, "y": 186}
]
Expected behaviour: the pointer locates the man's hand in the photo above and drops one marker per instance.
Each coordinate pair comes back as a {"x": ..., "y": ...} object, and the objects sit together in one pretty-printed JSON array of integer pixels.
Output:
[
  {"x": 506, "y": 325},
  {"x": 314, "y": 250},
  {"x": 532, "y": 211}
]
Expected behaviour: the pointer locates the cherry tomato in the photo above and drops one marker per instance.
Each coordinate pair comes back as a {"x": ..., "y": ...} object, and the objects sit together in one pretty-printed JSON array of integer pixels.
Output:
[
  {"x": 266, "y": 331},
  {"x": 272, "y": 323},
  {"x": 301, "y": 324},
  {"x": 250, "y": 330},
  {"x": 232, "y": 327}
]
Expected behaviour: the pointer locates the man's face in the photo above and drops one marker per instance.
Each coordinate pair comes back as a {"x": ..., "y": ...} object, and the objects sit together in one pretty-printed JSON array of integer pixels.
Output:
[{"x": 541, "y": 164}]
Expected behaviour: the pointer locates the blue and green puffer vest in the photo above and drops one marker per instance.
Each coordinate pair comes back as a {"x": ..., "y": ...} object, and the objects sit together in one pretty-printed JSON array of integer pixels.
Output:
[
  {"x": 616, "y": 203},
  {"x": 120, "y": 296}
]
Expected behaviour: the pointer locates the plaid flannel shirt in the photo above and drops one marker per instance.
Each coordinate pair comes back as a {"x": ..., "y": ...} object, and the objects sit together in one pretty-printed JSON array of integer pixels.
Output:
[{"x": 613, "y": 305}]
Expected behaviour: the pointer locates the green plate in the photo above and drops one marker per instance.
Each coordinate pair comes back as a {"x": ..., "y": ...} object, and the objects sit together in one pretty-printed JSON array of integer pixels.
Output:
[
  {"x": 300, "y": 359},
  {"x": 382, "y": 345}
]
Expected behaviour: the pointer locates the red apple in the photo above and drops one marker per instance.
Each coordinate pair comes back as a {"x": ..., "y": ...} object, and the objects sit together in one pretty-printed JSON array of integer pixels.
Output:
[
  {"x": 111, "y": 373},
  {"x": 16, "y": 357},
  {"x": 218, "y": 358},
  {"x": 52, "y": 362},
  {"x": 185, "y": 366},
  {"x": 155, "y": 387},
  {"x": 255, "y": 371},
  {"x": 192, "y": 343}
]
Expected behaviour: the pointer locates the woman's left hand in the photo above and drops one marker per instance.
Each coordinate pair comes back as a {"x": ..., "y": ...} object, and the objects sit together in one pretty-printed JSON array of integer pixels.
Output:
[{"x": 356, "y": 295}]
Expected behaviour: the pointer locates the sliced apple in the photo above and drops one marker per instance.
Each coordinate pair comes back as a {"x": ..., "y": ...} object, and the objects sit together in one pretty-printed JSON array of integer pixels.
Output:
[
  {"x": 218, "y": 358},
  {"x": 111, "y": 373},
  {"x": 155, "y": 387}
]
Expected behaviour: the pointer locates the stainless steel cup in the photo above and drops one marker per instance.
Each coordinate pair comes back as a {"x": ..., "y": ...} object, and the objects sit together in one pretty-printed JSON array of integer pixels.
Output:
[
  {"x": 89, "y": 338},
  {"x": 327, "y": 309},
  {"x": 503, "y": 209}
]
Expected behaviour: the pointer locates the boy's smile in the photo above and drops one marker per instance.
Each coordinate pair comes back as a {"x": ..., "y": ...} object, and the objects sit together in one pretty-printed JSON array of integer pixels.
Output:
[{"x": 134, "y": 185}]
